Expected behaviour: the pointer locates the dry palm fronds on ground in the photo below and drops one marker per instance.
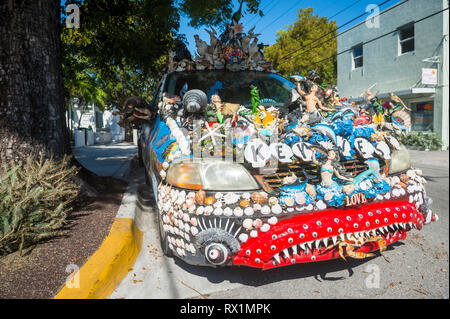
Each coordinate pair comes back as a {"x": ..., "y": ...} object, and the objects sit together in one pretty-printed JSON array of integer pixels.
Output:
[{"x": 34, "y": 201}]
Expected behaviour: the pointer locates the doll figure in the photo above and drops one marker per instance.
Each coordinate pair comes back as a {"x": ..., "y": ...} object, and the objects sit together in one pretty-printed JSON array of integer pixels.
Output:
[
  {"x": 311, "y": 101},
  {"x": 328, "y": 169}
]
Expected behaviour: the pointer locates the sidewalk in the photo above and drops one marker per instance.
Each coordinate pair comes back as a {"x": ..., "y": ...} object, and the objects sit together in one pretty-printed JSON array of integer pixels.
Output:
[{"x": 107, "y": 159}]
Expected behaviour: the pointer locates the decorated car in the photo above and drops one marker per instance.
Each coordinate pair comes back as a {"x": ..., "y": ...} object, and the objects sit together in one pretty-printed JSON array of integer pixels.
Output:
[{"x": 249, "y": 168}]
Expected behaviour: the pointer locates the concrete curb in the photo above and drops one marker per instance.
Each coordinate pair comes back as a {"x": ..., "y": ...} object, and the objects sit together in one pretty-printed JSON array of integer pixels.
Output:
[{"x": 106, "y": 268}]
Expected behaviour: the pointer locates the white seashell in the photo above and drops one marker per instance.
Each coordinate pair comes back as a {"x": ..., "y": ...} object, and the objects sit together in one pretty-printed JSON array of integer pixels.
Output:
[
  {"x": 186, "y": 218},
  {"x": 208, "y": 210},
  {"x": 187, "y": 227},
  {"x": 265, "y": 228},
  {"x": 265, "y": 210},
  {"x": 309, "y": 207},
  {"x": 272, "y": 220},
  {"x": 228, "y": 211},
  {"x": 218, "y": 195},
  {"x": 200, "y": 210},
  {"x": 165, "y": 165},
  {"x": 321, "y": 205},
  {"x": 178, "y": 242},
  {"x": 238, "y": 212},
  {"x": 243, "y": 237},
  {"x": 217, "y": 204},
  {"x": 254, "y": 234},
  {"x": 276, "y": 209},
  {"x": 248, "y": 211},
  {"x": 246, "y": 196},
  {"x": 230, "y": 198},
  {"x": 256, "y": 207},
  {"x": 387, "y": 195},
  {"x": 171, "y": 246},
  {"x": 193, "y": 221},
  {"x": 191, "y": 209},
  {"x": 218, "y": 211},
  {"x": 194, "y": 230},
  {"x": 247, "y": 224},
  {"x": 411, "y": 198}
]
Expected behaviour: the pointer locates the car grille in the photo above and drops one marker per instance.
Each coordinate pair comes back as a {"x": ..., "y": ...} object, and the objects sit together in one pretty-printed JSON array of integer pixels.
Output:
[{"x": 308, "y": 171}]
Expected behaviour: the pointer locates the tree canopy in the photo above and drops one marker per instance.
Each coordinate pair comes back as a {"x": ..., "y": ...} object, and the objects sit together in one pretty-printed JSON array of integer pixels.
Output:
[
  {"x": 122, "y": 44},
  {"x": 298, "y": 48}
]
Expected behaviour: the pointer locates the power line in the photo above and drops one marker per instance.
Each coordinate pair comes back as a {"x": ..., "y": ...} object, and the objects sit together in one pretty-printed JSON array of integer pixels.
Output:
[
  {"x": 376, "y": 38},
  {"x": 321, "y": 37},
  {"x": 263, "y": 10},
  {"x": 267, "y": 12},
  {"x": 337, "y": 13},
  {"x": 302, "y": 50},
  {"x": 281, "y": 15}
]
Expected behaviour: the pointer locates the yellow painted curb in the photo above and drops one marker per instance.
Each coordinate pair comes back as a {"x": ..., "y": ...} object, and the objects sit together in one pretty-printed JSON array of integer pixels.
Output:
[{"x": 106, "y": 268}]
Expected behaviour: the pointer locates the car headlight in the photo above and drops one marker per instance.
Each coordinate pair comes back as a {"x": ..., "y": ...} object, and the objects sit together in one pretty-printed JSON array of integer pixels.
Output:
[
  {"x": 211, "y": 175},
  {"x": 400, "y": 160}
]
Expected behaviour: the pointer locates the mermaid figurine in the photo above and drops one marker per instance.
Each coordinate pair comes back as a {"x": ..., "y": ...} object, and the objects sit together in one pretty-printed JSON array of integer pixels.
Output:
[{"x": 329, "y": 189}]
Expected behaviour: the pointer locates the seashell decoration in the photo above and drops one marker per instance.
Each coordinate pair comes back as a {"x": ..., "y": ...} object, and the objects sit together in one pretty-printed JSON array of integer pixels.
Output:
[
  {"x": 272, "y": 220},
  {"x": 244, "y": 203},
  {"x": 246, "y": 196},
  {"x": 200, "y": 210},
  {"x": 208, "y": 210},
  {"x": 300, "y": 199},
  {"x": 230, "y": 198},
  {"x": 218, "y": 211},
  {"x": 238, "y": 212},
  {"x": 243, "y": 237},
  {"x": 193, "y": 221},
  {"x": 194, "y": 230},
  {"x": 265, "y": 227},
  {"x": 273, "y": 201},
  {"x": 289, "y": 201},
  {"x": 276, "y": 209},
  {"x": 200, "y": 197},
  {"x": 209, "y": 200},
  {"x": 257, "y": 223},
  {"x": 265, "y": 210},
  {"x": 248, "y": 211},
  {"x": 247, "y": 224},
  {"x": 321, "y": 205},
  {"x": 254, "y": 234},
  {"x": 218, "y": 196},
  {"x": 259, "y": 198},
  {"x": 228, "y": 211},
  {"x": 165, "y": 165}
]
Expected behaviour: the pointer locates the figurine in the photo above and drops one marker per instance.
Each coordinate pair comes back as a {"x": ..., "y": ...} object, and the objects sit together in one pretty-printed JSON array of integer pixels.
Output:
[
  {"x": 313, "y": 115},
  {"x": 328, "y": 169}
]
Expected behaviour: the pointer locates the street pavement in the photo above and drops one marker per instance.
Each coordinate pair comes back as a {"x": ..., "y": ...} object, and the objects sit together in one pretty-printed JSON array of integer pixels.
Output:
[
  {"x": 413, "y": 269},
  {"x": 111, "y": 159}
]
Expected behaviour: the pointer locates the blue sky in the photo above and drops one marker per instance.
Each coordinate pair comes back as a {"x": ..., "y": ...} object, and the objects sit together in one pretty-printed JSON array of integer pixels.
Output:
[{"x": 279, "y": 14}]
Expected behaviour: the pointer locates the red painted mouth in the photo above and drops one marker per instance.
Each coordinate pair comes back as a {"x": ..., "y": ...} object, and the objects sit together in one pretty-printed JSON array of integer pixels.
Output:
[{"x": 316, "y": 236}]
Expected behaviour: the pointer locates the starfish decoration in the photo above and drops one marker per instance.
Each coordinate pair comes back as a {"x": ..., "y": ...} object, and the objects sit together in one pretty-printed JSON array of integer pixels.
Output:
[{"x": 213, "y": 133}]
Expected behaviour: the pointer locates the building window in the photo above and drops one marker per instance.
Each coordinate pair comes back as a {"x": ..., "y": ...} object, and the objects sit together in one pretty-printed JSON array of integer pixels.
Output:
[
  {"x": 406, "y": 39},
  {"x": 422, "y": 116},
  {"x": 357, "y": 57}
]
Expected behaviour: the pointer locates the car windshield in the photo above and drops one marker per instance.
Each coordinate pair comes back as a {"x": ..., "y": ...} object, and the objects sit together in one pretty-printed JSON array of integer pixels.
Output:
[{"x": 232, "y": 87}]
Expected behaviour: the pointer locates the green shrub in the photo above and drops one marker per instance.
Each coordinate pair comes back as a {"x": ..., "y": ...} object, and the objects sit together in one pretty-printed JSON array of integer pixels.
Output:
[
  {"x": 423, "y": 141},
  {"x": 34, "y": 201}
]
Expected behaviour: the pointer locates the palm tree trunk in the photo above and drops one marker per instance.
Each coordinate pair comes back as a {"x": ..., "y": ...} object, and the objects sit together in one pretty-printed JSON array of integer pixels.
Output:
[{"x": 32, "y": 108}]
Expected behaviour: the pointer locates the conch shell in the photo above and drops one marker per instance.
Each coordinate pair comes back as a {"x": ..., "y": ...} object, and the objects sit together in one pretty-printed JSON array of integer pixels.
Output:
[{"x": 200, "y": 197}]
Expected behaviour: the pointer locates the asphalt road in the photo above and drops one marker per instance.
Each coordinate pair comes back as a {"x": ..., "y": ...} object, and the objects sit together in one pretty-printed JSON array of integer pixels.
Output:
[{"x": 414, "y": 269}]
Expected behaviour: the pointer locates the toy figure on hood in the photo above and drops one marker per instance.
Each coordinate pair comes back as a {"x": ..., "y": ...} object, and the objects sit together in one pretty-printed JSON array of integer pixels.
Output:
[{"x": 312, "y": 114}]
